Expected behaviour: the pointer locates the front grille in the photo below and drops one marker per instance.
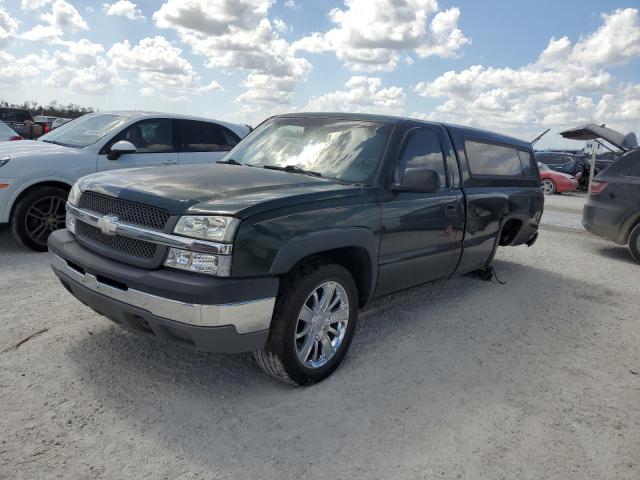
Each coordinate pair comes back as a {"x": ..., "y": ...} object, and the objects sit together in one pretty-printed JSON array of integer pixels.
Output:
[
  {"x": 118, "y": 243},
  {"x": 126, "y": 211}
]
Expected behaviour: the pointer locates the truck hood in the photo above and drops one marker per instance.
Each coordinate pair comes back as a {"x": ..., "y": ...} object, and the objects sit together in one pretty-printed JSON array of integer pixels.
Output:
[
  {"x": 33, "y": 148},
  {"x": 214, "y": 188}
]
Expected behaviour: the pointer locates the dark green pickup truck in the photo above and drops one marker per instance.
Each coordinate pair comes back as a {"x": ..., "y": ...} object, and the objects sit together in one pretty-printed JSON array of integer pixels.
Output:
[{"x": 276, "y": 248}]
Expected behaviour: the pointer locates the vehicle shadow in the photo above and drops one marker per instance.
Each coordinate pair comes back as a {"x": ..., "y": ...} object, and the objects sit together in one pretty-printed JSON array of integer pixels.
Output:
[
  {"x": 616, "y": 252},
  {"x": 8, "y": 244},
  {"x": 433, "y": 358}
]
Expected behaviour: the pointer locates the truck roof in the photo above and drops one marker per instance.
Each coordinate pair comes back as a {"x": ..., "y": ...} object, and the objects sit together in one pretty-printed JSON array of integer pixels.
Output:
[{"x": 477, "y": 133}]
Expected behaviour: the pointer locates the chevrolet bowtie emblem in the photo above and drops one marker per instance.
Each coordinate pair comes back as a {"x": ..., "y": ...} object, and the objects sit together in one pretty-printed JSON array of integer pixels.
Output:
[{"x": 108, "y": 224}]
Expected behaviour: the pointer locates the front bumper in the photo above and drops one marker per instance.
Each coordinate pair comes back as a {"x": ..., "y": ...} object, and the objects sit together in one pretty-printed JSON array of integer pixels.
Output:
[{"x": 210, "y": 314}]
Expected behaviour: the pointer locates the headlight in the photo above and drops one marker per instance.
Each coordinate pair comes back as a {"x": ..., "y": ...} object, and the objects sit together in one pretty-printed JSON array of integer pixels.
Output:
[
  {"x": 74, "y": 195},
  {"x": 219, "y": 265},
  {"x": 206, "y": 227}
]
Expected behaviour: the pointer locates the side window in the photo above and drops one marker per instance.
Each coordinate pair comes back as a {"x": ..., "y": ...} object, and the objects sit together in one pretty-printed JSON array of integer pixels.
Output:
[
  {"x": 205, "y": 137},
  {"x": 149, "y": 136},
  {"x": 422, "y": 149},
  {"x": 493, "y": 160},
  {"x": 526, "y": 160}
]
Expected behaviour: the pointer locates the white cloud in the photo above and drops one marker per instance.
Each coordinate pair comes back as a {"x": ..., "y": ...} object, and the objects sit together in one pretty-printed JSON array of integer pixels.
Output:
[
  {"x": 33, "y": 4},
  {"x": 123, "y": 8},
  {"x": 291, "y": 4},
  {"x": 63, "y": 18},
  {"x": 236, "y": 34},
  {"x": 362, "y": 94},
  {"x": 8, "y": 27},
  {"x": 211, "y": 17},
  {"x": 373, "y": 35},
  {"x": 160, "y": 66},
  {"x": 14, "y": 70},
  {"x": 568, "y": 84}
]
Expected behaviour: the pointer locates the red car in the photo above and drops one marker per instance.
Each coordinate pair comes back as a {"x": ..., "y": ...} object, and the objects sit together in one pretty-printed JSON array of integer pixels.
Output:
[{"x": 557, "y": 182}]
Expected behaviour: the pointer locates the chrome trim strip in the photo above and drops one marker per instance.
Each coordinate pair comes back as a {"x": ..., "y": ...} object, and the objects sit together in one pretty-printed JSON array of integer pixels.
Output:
[
  {"x": 154, "y": 236},
  {"x": 246, "y": 317}
]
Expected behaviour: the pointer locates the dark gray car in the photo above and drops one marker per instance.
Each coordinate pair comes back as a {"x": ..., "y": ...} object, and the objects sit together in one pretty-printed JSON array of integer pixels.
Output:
[{"x": 613, "y": 208}]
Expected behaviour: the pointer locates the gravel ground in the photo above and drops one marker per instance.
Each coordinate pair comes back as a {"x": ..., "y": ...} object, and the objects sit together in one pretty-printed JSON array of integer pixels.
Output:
[{"x": 538, "y": 378}]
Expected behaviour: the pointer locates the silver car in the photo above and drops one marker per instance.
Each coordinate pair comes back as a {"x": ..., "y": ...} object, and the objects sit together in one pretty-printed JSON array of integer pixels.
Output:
[{"x": 36, "y": 175}]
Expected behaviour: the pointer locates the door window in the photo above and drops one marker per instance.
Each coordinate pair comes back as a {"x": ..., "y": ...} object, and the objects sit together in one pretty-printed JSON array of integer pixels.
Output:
[
  {"x": 206, "y": 137},
  {"x": 493, "y": 160},
  {"x": 423, "y": 150},
  {"x": 149, "y": 136}
]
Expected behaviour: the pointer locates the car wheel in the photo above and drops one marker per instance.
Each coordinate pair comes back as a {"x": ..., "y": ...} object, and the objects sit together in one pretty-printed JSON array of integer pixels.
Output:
[
  {"x": 37, "y": 214},
  {"x": 548, "y": 186},
  {"x": 312, "y": 327},
  {"x": 634, "y": 243}
]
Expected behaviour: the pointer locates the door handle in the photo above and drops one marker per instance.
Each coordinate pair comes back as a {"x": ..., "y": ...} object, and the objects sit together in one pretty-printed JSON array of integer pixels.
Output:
[
  {"x": 169, "y": 162},
  {"x": 451, "y": 210}
]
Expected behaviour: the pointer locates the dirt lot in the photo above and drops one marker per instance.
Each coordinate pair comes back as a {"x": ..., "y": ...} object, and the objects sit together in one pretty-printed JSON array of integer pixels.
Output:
[{"x": 538, "y": 378}]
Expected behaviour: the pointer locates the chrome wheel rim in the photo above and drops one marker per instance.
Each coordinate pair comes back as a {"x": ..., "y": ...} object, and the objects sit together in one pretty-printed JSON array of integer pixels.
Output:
[
  {"x": 43, "y": 217},
  {"x": 547, "y": 186},
  {"x": 322, "y": 324}
]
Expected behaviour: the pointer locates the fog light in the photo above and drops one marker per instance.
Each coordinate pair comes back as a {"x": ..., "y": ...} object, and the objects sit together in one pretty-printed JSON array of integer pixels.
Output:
[
  {"x": 199, "y": 262},
  {"x": 70, "y": 223}
]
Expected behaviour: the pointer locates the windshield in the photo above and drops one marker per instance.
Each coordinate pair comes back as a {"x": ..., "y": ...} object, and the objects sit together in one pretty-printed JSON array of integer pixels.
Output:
[
  {"x": 85, "y": 130},
  {"x": 542, "y": 167},
  {"x": 344, "y": 149}
]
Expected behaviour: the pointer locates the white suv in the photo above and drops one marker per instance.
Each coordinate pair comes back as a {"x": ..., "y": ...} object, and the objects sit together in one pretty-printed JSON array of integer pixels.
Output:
[{"x": 35, "y": 176}]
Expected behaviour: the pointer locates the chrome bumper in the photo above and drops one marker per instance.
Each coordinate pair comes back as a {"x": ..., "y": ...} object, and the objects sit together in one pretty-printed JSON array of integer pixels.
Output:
[{"x": 246, "y": 317}]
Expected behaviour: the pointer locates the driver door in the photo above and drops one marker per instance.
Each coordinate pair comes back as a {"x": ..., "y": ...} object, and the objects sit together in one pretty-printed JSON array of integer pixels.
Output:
[{"x": 154, "y": 142}]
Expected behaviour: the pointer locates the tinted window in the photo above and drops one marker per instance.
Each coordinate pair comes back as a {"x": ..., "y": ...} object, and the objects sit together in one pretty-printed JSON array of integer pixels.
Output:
[
  {"x": 149, "y": 136},
  {"x": 206, "y": 137},
  {"x": 422, "y": 150},
  {"x": 490, "y": 159},
  {"x": 526, "y": 160}
]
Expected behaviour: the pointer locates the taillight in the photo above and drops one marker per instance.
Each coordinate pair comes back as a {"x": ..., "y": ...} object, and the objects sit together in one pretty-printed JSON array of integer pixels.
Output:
[
  {"x": 45, "y": 128},
  {"x": 16, "y": 137},
  {"x": 597, "y": 187}
]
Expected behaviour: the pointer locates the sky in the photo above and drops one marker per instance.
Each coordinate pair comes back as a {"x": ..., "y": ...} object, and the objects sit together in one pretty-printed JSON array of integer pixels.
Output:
[{"x": 513, "y": 67}]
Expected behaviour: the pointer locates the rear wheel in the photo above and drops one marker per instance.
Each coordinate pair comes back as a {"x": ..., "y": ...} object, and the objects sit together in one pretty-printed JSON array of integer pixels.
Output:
[
  {"x": 634, "y": 243},
  {"x": 548, "y": 186},
  {"x": 312, "y": 327},
  {"x": 37, "y": 214}
]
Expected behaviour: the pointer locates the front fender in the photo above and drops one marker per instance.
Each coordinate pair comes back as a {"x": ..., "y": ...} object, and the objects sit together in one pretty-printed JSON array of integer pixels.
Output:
[{"x": 301, "y": 247}]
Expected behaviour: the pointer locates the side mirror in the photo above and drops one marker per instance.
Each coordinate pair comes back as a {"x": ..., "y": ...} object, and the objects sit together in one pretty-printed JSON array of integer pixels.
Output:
[
  {"x": 418, "y": 180},
  {"x": 120, "y": 148}
]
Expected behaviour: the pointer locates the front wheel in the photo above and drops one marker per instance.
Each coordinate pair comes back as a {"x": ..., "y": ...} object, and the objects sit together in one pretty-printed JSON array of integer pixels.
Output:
[
  {"x": 548, "y": 186},
  {"x": 634, "y": 243},
  {"x": 312, "y": 327},
  {"x": 37, "y": 214}
]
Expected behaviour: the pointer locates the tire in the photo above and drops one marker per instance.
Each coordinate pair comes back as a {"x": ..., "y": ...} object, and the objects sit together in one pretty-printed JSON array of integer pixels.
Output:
[
  {"x": 549, "y": 186},
  {"x": 37, "y": 214},
  {"x": 281, "y": 356},
  {"x": 634, "y": 243}
]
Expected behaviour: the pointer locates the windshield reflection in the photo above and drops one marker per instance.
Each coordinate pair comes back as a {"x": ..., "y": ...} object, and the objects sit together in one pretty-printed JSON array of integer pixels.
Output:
[{"x": 344, "y": 149}]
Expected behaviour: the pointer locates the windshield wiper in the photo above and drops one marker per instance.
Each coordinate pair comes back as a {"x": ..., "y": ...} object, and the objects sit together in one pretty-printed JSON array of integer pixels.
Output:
[
  {"x": 293, "y": 169},
  {"x": 231, "y": 161}
]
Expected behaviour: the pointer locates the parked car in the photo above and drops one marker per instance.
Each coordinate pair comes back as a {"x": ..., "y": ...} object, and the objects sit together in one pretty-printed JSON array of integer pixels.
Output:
[
  {"x": 58, "y": 122},
  {"x": 276, "y": 248},
  {"x": 7, "y": 133},
  {"x": 557, "y": 182},
  {"x": 21, "y": 121},
  {"x": 36, "y": 176},
  {"x": 566, "y": 163},
  {"x": 45, "y": 119},
  {"x": 612, "y": 210}
]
